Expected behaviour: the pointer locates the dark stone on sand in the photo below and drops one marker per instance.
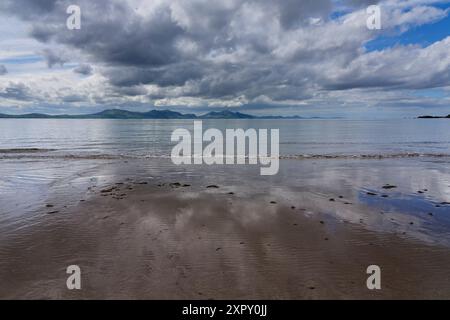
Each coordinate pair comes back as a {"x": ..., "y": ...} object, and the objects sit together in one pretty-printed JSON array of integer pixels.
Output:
[
  {"x": 371, "y": 194},
  {"x": 230, "y": 192},
  {"x": 437, "y": 206},
  {"x": 388, "y": 186},
  {"x": 340, "y": 197},
  {"x": 241, "y": 242},
  {"x": 445, "y": 203},
  {"x": 108, "y": 190},
  {"x": 52, "y": 212},
  {"x": 384, "y": 196},
  {"x": 175, "y": 184},
  {"x": 419, "y": 191},
  {"x": 49, "y": 206},
  {"x": 295, "y": 224},
  {"x": 143, "y": 182},
  {"x": 331, "y": 199},
  {"x": 430, "y": 213},
  {"x": 411, "y": 222},
  {"x": 326, "y": 239},
  {"x": 321, "y": 222},
  {"x": 311, "y": 288},
  {"x": 292, "y": 207},
  {"x": 273, "y": 202},
  {"x": 186, "y": 185},
  {"x": 347, "y": 203},
  {"x": 212, "y": 186},
  {"x": 217, "y": 249}
]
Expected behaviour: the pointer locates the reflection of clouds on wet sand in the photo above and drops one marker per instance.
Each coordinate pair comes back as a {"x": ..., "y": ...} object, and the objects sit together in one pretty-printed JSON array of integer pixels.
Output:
[{"x": 308, "y": 232}]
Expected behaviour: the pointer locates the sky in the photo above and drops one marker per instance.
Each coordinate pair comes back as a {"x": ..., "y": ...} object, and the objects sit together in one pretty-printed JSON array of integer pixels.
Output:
[{"x": 291, "y": 57}]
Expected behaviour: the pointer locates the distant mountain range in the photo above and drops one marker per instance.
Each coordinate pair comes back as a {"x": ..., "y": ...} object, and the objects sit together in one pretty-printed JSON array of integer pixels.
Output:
[
  {"x": 153, "y": 114},
  {"x": 434, "y": 117}
]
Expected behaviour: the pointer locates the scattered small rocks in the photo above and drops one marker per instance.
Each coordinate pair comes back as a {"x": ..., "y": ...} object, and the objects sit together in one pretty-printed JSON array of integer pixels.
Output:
[
  {"x": 331, "y": 199},
  {"x": 273, "y": 202},
  {"x": 212, "y": 186},
  {"x": 49, "y": 206},
  {"x": 389, "y": 186}
]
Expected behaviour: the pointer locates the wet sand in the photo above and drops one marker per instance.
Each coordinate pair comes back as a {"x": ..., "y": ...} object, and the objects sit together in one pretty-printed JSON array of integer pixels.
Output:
[{"x": 181, "y": 240}]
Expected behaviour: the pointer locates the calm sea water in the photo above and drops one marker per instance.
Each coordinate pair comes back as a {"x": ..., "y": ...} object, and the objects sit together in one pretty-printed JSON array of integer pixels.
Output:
[
  {"x": 61, "y": 159},
  {"x": 146, "y": 138}
]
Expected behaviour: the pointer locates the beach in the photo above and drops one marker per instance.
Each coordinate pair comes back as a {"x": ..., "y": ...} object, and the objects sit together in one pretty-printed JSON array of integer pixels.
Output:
[
  {"x": 150, "y": 238},
  {"x": 140, "y": 227}
]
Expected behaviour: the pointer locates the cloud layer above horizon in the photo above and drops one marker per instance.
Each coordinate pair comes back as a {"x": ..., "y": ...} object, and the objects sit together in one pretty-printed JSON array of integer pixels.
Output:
[{"x": 255, "y": 55}]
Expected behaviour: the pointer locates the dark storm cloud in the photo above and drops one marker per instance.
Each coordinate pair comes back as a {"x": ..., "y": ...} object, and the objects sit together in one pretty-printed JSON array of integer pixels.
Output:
[
  {"x": 175, "y": 75},
  {"x": 3, "y": 70},
  {"x": 16, "y": 91},
  {"x": 84, "y": 69},
  {"x": 53, "y": 58},
  {"x": 73, "y": 98}
]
